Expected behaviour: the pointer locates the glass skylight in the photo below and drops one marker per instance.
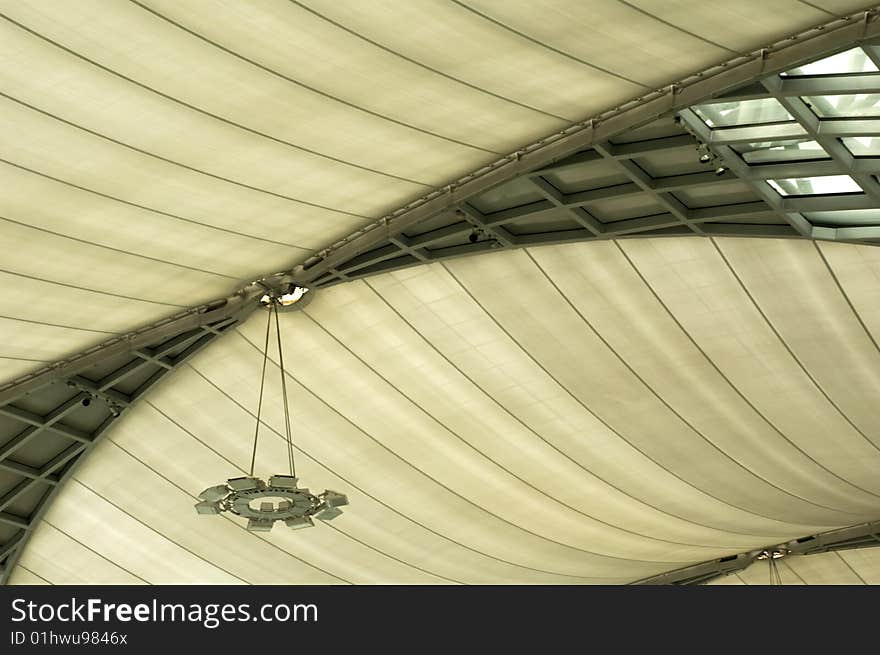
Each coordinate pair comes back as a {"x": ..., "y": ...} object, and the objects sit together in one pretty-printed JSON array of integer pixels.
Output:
[
  {"x": 815, "y": 186},
  {"x": 742, "y": 112},
  {"x": 851, "y": 61},
  {"x": 851, "y": 105},
  {"x": 863, "y": 146},
  {"x": 766, "y": 152}
]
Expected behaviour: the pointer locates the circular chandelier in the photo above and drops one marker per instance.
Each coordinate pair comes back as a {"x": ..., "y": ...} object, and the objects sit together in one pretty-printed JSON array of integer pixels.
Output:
[{"x": 281, "y": 499}]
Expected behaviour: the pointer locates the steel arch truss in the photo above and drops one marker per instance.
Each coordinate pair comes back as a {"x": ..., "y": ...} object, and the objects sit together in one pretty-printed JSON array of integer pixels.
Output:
[
  {"x": 646, "y": 182},
  {"x": 678, "y": 175},
  {"x": 51, "y": 419},
  {"x": 865, "y": 535}
]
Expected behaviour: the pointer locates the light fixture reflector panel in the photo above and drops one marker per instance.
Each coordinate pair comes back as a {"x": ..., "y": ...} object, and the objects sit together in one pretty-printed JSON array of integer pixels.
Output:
[{"x": 815, "y": 186}]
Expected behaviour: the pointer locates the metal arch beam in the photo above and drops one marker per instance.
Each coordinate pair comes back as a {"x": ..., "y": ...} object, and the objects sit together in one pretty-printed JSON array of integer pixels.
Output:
[
  {"x": 671, "y": 217},
  {"x": 767, "y": 213},
  {"x": 92, "y": 389},
  {"x": 862, "y": 535},
  {"x": 327, "y": 266}
]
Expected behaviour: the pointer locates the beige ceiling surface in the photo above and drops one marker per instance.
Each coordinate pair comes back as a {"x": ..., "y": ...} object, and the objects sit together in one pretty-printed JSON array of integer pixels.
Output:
[
  {"x": 158, "y": 154},
  {"x": 587, "y": 413}
]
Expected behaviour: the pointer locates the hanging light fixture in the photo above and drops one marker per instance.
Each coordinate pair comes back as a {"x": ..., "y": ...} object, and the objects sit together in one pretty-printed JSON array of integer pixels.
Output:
[{"x": 281, "y": 498}]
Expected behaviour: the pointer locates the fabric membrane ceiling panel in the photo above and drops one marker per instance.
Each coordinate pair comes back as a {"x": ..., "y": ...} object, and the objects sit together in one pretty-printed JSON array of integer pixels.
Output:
[{"x": 586, "y": 413}]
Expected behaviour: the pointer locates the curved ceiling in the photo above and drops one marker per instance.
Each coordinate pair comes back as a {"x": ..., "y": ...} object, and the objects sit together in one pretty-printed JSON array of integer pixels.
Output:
[
  {"x": 158, "y": 155},
  {"x": 178, "y": 149},
  {"x": 584, "y": 413}
]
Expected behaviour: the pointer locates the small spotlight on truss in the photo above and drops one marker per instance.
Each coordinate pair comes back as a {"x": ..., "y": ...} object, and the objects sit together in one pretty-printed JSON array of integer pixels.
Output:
[
  {"x": 705, "y": 155},
  {"x": 291, "y": 295},
  {"x": 775, "y": 553}
]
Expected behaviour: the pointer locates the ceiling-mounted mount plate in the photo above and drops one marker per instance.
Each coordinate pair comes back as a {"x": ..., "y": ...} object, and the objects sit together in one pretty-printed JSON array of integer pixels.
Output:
[{"x": 284, "y": 294}]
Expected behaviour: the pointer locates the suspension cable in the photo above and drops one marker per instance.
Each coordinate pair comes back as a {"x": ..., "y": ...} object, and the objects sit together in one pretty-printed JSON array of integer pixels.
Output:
[
  {"x": 262, "y": 386},
  {"x": 287, "y": 427}
]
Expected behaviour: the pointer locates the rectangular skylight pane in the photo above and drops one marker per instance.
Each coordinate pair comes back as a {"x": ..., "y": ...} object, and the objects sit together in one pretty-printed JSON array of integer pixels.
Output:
[
  {"x": 850, "y": 105},
  {"x": 814, "y": 186},
  {"x": 863, "y": 146},
  {"x": 765, "y": 152},
  {"x": 742, "y": 112},
  {"x": 851, "y": 61}
]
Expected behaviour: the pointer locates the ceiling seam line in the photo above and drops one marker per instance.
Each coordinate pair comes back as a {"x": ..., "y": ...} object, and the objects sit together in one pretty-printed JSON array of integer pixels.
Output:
[
  {"x": 687, "y": 423},
  {"x": 102, "y": 293},
  {"x": 205, "y": 112},
  {"x": 92, "y": 550},
  {"x": 810, "y": 4},
  {"x": 679, "y": 28},
  {"x": 379, "y": 502},
  {"x": 26, "y": 359},
  {"x": 58, "y": 325},
  {"x": 395, "y": 558},
  {"x": 440, "y": 484},
  {"x": 172, "y": 162},
  {"x": 244, "y": 472},
  {"x": 516, "y": 418},
  {"x": 846, "y": 297},
  {"x": 312, "y": 89},
  {"x": 789, "y": 567},
  {"x": 488, "y": 458},
  {"x": 849, "y": 566},
  {"x": 154, "y": 530},
  {"x": 36, "y": 574},
  {"x": 788, "y": 348},
  {"x": 426, "y": 67},
  {"x": 730, "y": 383},
  {"x": 532, "y": 39},
  {"x": 145, "y": 208},
  {"x": 86, "y": 242},
  {"x": 606, "y": 424}
]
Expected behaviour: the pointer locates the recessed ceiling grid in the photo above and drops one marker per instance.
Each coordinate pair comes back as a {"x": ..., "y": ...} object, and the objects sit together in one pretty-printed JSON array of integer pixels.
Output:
[
  {"x": 806, "y": 142},
  {"x": 646, "y": 183},
  {"x": 795, "y": 154}
]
